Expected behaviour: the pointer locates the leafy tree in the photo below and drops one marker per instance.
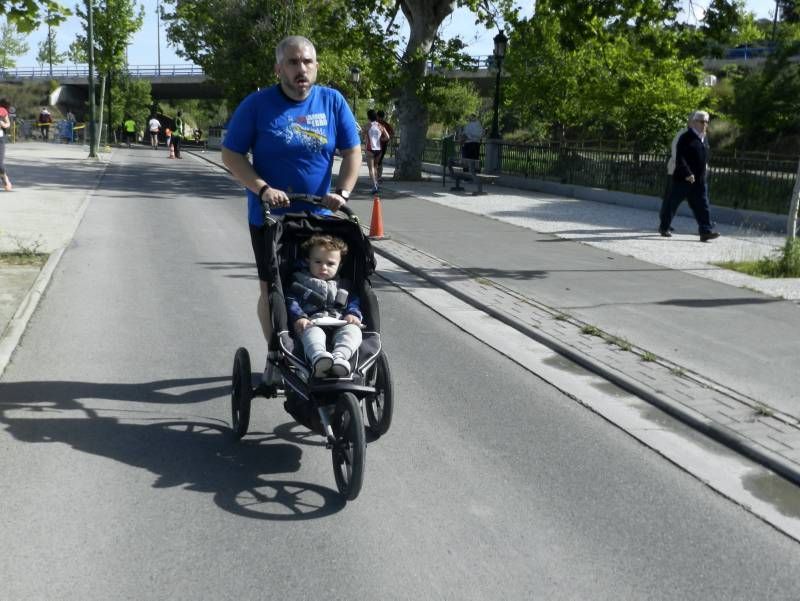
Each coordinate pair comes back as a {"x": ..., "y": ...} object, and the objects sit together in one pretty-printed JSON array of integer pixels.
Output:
[
  {"x": 216, "y": 34},
  {"x": 789, "y": 10},
  {"x": 115, "y": 21},
  {"x": 48, "y": 51},
  {"x": 77, "y": 52},
  {"x": 610, "y": 79},
  {"x": 29, "y": 14},
  {"x": 11, "y": 44},
  {"x": 722, "y": 20},
  {"x": 766, "y": 102},
  {"x": 234, "y": 42},
  {"x": 449, "y": 103},
  {"x": 131, "y": 98}
]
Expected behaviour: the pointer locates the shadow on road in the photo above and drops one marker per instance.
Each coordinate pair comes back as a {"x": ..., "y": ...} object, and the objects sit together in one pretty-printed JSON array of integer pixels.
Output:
[{"x": 195, "y": 454}]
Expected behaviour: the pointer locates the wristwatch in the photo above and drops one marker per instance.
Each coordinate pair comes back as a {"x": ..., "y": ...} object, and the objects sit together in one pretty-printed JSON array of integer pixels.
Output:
[{"x": 343, "y": 193}]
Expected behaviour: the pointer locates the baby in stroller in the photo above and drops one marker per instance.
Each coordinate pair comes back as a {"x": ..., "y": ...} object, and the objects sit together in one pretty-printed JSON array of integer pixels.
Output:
[{"x": 316, "y": 298}]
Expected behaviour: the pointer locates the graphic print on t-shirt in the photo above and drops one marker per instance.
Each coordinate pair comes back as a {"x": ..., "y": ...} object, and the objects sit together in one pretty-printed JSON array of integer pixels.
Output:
[{"x": 309, "y": 130}]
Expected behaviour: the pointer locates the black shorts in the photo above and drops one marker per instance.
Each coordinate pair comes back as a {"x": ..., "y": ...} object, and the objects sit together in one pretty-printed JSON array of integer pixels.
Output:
[
  {"x": 471, "y": 150},
  {"x": 261, "y": 253}
]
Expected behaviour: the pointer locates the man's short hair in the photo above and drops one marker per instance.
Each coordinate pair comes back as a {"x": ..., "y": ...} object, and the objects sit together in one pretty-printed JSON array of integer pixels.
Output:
[
  {"x": 700, "y": 116},
  {"x": 292, "y": 41}
]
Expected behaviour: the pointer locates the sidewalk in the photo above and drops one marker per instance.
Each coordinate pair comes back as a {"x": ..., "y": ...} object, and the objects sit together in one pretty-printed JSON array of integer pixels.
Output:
[
  {"x": 52, "y": 183},
  {"x": 597, "y": 283},
  {"x": 594, "y": 281}
]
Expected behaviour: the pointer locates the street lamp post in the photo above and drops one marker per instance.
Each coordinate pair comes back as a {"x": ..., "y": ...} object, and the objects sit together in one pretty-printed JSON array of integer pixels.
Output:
[
  {"x": 355, "y": 77},
  {"x": 500, "y": 44},
  {"x": 493, "y": 145}
]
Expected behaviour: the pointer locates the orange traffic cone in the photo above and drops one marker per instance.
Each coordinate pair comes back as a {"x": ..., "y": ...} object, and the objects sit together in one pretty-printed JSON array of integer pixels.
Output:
[
  {"x": 376, "y": 224},
  {"x": 171, "y": 151}
]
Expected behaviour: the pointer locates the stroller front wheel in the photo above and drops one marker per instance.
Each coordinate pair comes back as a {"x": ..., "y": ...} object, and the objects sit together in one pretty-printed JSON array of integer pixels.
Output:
[{"x": 349, "y": 447}]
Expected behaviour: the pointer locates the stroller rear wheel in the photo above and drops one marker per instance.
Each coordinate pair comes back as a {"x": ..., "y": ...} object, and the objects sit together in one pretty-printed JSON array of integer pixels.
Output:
[
  {"x": 241, "y": 393},
  {"x": 380, "y": 406},
  {"x": 349, "y": 448}
]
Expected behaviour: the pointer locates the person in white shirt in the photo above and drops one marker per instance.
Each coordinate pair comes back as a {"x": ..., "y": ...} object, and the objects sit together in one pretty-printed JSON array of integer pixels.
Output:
[
  {"x": 154, "y": 125},
  {"x": 470, "y": 138}
]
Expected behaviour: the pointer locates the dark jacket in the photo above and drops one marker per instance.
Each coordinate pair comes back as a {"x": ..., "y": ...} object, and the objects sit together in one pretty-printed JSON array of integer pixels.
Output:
[
  {"x": 691, "y": 157},
  {"x": 311, "y": 297}
]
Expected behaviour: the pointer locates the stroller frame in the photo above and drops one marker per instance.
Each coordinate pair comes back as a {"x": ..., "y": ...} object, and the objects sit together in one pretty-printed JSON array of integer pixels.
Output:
[{"x": 330, "y": 406}]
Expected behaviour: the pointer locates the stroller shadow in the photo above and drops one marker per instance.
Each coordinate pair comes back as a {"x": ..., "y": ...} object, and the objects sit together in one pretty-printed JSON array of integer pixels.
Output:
[{"x": 195, "y": 454}]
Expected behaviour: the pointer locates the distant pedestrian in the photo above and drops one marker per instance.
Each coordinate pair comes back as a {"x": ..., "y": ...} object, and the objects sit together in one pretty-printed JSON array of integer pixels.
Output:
[
  {"x": 5, "y": 128},
  {"x": 470, "y": 137},
  {"x": 45, "y": 120},
  {"x": 374, "y": 135},
  {"x": 671, "y": 169},
  {"x": 168, "y": 138},
  {"x": 154, "y": 125},
  {"x": 384, "y": 144},
  {"x": 689, "y": 181},
  {"x": 130, "y": 131},
  {"x": 177, "y": 135}
]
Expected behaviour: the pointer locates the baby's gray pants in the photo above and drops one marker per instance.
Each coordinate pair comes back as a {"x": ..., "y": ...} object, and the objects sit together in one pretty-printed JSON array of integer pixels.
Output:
[{"x": 346, "y": 340}]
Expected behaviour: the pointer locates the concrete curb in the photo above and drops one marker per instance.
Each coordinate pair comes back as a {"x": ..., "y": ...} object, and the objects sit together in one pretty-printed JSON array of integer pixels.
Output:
[
  {"x": 16, "y": 327},
  {"x": 730, "y": 439}
]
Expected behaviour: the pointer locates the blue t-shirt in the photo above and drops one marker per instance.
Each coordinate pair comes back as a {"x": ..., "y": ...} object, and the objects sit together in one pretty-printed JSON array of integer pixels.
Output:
[{"x": 292, "y": 142}]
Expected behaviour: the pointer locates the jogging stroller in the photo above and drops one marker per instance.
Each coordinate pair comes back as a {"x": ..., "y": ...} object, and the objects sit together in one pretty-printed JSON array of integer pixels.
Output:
[{"x": 330, "y": 406}]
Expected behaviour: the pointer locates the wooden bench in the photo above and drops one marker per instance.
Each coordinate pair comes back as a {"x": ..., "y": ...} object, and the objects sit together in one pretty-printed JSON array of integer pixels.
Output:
[{"x": 468, "y": 172}]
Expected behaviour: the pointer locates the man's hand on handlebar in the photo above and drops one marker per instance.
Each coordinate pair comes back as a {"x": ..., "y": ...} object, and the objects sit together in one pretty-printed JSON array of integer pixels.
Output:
[
  {"x": 333, "y": 201},
  {"x": 275, "y": 198}
]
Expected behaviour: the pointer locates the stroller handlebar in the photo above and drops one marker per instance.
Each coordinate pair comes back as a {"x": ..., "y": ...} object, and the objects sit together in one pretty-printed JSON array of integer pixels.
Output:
[{"x": 314, "y": 200}]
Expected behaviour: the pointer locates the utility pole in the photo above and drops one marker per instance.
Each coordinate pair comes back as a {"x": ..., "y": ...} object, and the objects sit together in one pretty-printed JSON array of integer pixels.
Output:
[
  {"x": 158, "y": 35},
  {"x": 49, "y": 45},
  {"x": 90, "y": 41},
  {"x": 775, "y": 20}
]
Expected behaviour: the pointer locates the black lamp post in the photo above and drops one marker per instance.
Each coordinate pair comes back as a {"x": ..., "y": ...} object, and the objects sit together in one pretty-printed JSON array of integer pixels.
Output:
[
  {"x": 500, "y": 44},
  {"x": 355, "y": 77}
]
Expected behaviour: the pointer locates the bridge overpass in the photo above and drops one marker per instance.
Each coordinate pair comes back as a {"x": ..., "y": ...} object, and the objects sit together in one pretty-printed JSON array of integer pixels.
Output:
[
  {"x": 168, "y": 82},
  {"x": 188, "y": 81},
  {"x": 180, "y": 81}
]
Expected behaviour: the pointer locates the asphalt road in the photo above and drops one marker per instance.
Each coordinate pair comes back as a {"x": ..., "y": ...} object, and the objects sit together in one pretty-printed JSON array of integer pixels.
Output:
[{"x": 119, "y": 479}]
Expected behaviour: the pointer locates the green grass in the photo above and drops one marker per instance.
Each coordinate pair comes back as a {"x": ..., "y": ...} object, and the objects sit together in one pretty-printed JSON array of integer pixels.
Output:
[
  {"x": 23, "y": 258},
  {"x": 591, "y": 331},
  {"x": 648, "y": 356},
  {"x": 785, "y": 263}
]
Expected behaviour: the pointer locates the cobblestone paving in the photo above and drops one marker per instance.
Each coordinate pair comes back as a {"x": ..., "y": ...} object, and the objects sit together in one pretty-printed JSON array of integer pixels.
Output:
[{"x": 750, "y": 427}]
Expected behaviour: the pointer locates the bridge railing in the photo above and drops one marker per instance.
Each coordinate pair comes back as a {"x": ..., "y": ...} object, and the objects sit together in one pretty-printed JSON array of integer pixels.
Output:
[{"x": 82, "y": 71}]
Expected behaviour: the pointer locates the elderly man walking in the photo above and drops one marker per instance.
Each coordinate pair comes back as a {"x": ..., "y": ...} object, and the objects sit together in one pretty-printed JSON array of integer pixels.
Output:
[{"x": 689, "y": 181}]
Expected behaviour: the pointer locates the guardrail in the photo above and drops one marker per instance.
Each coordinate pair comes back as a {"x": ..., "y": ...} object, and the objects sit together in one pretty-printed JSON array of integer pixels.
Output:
[{"x": 79, "y": 71}]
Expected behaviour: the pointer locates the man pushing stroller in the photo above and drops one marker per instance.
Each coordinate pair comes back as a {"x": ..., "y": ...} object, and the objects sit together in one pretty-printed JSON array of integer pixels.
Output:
[{"x": 317, "y": 293}]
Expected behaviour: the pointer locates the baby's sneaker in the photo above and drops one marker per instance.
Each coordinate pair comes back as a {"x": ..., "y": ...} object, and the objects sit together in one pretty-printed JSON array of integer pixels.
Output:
[
  {"x": 322, "y": 364},
  {"x": 341, "y": 366}
]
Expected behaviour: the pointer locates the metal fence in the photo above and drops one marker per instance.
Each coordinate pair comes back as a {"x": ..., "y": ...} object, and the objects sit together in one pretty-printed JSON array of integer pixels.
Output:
[{"x": 760, "y": 184}]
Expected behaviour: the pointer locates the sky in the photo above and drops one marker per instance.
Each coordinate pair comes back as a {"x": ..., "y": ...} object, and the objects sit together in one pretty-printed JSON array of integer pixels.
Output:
[{"x": 144, "y": 50}]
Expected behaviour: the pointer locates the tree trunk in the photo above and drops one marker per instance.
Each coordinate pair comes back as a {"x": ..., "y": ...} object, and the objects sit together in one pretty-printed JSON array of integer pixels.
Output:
[
  {"x": 100, "y": 104},
  {"x": 424, "y": 18}
]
